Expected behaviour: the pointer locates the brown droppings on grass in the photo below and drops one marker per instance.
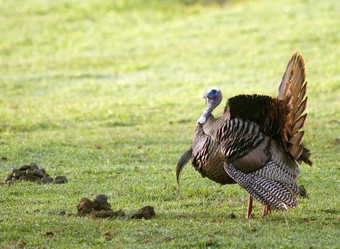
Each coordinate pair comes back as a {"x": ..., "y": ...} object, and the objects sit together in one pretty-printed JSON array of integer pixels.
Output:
[
  {"x": 146, "y": 212},
  {"x": 100, "y": 202},
  {"x": 85, "y": 207},
  {"x": 98, "y": 208},
  {"x": 60, "y": 180},
  {"x": 232, "y": 216},
  {"x": 106, "y": 213},
  {"x": 32, "y": 173},
  {"x": 49, "y": 233}
]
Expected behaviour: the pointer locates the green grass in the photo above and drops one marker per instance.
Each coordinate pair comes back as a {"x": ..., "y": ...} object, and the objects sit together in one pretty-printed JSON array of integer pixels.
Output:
[{"x": 126, "y": 76}]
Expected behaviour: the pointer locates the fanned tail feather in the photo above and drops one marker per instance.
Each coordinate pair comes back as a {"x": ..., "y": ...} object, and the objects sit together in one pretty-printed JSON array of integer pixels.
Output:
[{"x": 292, "y": 91}]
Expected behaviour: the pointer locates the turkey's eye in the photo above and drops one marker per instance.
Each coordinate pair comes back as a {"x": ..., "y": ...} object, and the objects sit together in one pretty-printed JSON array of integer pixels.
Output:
[{"x": 213, "y": 91}]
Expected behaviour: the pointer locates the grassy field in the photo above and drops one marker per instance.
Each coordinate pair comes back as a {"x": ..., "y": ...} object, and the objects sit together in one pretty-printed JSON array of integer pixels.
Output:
[{"x": 107, "y": 94}]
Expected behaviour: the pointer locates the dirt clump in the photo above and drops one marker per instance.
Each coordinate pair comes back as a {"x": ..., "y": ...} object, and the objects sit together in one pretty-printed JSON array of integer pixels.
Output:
[
  {"x": 106, "y": 214},
  {"x": 232, "y": 216},
  {"x": 60, "y": 180},
  {"x": 31, "y": 172},
  {"x": 100, "y": 203},
  {"x": 85, "y": 207},
  {"x": 49, "y": 233},
  {"x": 146, "y": 212},
  {"x": 98, "y": 208}
]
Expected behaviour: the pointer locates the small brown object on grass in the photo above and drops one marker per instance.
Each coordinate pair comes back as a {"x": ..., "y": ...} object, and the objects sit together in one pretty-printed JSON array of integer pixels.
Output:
[
  {"x": 85, "y": 207},
  {"x": 99, "y": 208},
  {"x": 146, "y": 212},
  {"x": 49, "y": 233},
  {"x": 60, "y": 180}
]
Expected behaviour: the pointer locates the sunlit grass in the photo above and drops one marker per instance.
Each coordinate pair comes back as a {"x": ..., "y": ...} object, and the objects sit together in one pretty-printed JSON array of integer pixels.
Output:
[{"x": 108, "y": 94}]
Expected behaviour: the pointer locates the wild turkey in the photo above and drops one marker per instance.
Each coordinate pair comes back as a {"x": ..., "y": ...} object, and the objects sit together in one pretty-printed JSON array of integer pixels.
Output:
[{"x": 256, "y": 142}]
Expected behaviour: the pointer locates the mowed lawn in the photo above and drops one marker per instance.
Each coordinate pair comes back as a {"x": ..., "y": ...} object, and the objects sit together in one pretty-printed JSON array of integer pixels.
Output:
[{"x": 107, "y": 93}]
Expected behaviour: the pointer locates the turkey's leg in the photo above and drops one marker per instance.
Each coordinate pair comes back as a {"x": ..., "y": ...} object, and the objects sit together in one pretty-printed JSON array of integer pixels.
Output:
[
  {"x": 266, "y": 210},
  {"x": 250, "y": 207}
]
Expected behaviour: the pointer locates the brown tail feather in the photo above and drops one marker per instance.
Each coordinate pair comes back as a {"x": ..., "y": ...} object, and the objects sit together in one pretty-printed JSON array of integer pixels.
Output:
[
  {"x": 292, "y": 92},
  {"x": 298, "y": 112},
  {"x": 295, "y": 150},
  {"x": 286, "y": 76},
  {"x": 298, "y": 124},
  {"x": 299, "y": 75},
  {"x": 302, "y": 93},
  {"x": 305, "y": 156},
  {"x": 297, "y": 138}
]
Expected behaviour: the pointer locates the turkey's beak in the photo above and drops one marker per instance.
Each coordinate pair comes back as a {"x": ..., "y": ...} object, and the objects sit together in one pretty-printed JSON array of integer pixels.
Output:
[{"x": 208, "y": 98}]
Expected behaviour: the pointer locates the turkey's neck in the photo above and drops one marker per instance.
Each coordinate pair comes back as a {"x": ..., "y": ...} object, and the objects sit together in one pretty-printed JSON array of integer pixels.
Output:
[{"x": 207, "y": 112}]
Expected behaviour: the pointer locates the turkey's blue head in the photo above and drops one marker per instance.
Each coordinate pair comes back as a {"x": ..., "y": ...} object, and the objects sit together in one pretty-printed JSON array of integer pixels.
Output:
[
  {"x": 213, "y": 94},
  {"x": 214, "y": 97}
]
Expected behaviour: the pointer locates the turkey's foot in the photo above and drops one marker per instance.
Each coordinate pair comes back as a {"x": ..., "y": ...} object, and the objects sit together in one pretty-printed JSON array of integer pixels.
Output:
[{"x": 266, "y": 211}]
